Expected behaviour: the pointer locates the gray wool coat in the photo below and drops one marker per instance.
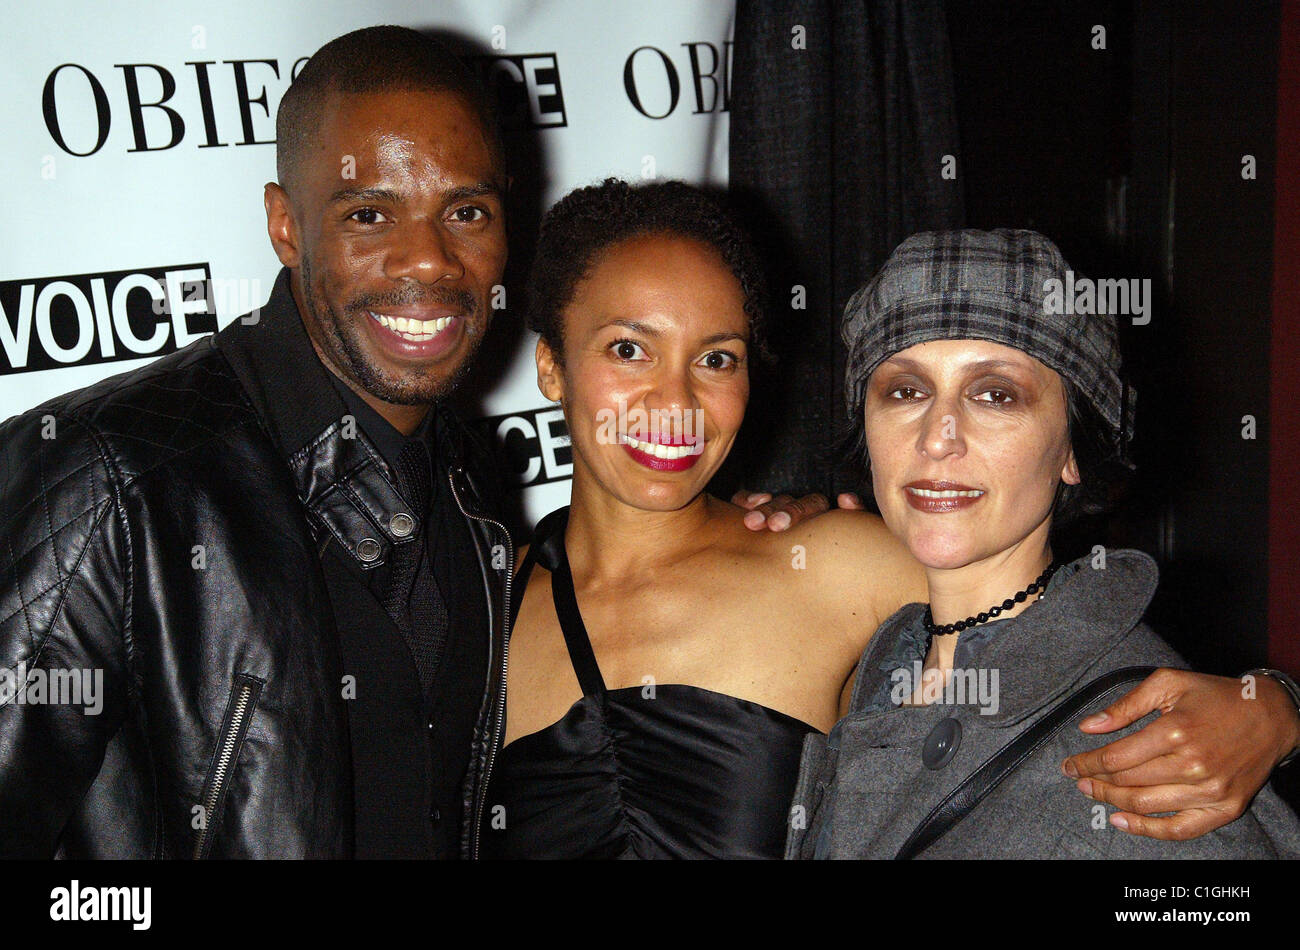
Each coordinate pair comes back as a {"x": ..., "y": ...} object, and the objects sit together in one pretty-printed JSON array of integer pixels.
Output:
[{"x": 863, "y": 788}]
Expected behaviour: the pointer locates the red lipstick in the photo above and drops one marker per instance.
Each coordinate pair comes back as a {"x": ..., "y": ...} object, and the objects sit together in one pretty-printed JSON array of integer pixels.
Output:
[{"x": 674, "y": 458}]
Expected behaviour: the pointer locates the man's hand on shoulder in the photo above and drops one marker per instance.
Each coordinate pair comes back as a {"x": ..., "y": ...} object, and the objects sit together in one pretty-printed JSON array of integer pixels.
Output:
[{"x": 766, "y": 511}]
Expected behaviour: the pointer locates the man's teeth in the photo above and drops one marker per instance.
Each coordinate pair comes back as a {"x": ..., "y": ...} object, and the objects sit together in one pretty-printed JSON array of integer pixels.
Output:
[
  {"x": 414, "y": 329},
  {"x": 946, "y": 493},
  {"x": 661, "y": 451}
]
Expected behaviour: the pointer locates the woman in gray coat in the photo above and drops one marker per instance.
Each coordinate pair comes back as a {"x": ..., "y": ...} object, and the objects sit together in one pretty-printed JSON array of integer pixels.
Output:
[{"x": 991, "y": 406}]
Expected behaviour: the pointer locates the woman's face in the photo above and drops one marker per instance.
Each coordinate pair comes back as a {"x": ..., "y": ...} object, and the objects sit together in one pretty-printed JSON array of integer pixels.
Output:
[
  {"x": 654, "y": 380},
  {"x": 968, "y": 441}
]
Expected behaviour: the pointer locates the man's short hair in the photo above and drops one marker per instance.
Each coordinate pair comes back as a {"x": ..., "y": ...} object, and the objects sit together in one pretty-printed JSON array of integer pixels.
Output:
[{"x": 371, "y": 60}]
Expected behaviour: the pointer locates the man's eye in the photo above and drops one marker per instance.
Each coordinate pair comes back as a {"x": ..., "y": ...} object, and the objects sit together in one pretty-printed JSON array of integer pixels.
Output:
[
  {"x": 367, "y": 216},
  {"x": 626, "y": 349},
  {"x": 720, "y": 359},
  {"x": 470, "y": 213}
]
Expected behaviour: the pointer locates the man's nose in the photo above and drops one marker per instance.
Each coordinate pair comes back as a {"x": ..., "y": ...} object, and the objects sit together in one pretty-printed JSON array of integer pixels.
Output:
[{"x": 424, "y": 252}]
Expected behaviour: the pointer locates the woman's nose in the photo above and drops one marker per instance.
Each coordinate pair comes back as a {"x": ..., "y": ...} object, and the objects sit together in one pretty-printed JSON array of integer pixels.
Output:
[
  {"x": 671, "y": 404},
  {"x": 671, "y": 389},
  {"x": 941, "y": 432}
]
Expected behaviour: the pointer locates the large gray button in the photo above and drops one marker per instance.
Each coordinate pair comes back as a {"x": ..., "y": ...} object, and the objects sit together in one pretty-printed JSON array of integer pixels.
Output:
[
  {"x": 368, "y": 549},
  {"x": 401, "y": 524},
  {"x": 941, "y": 744}
]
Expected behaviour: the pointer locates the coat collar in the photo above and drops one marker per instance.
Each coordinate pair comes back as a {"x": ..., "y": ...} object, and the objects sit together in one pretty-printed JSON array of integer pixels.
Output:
[
  {"x": 1083, "y": 615},
  {"x": 276, "y": 363},
  {"x": 1041, "y": 653}
]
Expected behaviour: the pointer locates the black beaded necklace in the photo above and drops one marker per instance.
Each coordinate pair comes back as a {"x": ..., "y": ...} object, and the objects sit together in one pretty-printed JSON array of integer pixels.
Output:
[{"x": 934, "y": 630}]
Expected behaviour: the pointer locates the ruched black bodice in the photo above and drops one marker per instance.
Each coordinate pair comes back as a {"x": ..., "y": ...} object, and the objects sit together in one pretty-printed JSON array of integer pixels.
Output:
[{"x": 663, "y": 771}]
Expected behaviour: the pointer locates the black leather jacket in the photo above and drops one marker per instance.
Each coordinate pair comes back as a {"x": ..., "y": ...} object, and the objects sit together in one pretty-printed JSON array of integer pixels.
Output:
[{"x": 153, "y": 527}]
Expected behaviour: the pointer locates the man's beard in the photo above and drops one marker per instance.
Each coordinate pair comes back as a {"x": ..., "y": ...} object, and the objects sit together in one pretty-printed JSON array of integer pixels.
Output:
[{"x": 344, "y": 339}]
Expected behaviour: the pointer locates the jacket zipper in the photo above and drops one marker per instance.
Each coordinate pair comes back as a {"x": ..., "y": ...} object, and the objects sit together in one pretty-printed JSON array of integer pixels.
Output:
[
  {"x": 245, "y": 692},
  {"x": 505, "y": 660}
]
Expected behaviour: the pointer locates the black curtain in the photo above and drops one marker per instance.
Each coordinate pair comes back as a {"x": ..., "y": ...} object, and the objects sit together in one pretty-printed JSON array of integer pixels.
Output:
[{"x": 842, "y": 129}]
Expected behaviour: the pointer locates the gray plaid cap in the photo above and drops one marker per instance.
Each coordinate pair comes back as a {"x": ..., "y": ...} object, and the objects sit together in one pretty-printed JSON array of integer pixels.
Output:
[{"x": 983, "y": 285}]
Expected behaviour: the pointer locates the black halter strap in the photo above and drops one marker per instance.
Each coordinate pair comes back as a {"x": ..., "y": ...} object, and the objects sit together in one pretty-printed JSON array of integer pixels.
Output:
[{"x": 547, "y": 550}]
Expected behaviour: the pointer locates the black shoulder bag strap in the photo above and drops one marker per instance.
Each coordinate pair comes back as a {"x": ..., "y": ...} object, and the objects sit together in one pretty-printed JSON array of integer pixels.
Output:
[{"x": 962, "y": 799}]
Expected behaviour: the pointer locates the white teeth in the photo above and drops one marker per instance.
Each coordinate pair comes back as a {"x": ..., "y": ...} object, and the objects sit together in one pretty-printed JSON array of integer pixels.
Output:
[
  {"x": 661, "y": 451},
  {"x": 415, "y": 330},
  {"x": 927, "y": 493}
]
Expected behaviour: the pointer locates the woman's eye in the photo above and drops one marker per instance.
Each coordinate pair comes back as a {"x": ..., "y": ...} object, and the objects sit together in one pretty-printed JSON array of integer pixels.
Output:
[
  {"x": 996, "y": 397},
  {"x": 904, "y": 393},
  {"x": 720, "y": 359},
  {"x": 626, "y": 349},
  {"x": 367, "y": 216}
]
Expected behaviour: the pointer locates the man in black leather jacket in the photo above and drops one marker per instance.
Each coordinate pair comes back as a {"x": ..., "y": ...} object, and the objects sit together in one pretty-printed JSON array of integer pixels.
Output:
[{"x": 275, "y": 543}]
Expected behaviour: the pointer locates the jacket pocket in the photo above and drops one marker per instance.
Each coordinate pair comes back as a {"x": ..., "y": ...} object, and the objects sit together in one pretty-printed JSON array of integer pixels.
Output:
[{"x": 234, "y": 726}]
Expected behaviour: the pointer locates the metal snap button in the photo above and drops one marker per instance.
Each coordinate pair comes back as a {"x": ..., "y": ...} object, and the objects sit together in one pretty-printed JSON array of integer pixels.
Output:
[
  {"x": 401, "y": 524},
  {"x": 368, "y": 549},
  {"x": 941, "y": 744}
]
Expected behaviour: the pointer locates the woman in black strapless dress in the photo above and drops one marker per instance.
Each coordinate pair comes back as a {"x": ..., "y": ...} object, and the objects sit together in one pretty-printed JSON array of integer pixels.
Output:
[
  {"x": 667, "y": 767},
  {"x": 668, "y": 771}
]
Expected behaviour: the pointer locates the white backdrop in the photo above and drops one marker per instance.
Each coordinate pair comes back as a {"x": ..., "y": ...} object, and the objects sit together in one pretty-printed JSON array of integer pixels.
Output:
[{"x": 114, "y": 202}]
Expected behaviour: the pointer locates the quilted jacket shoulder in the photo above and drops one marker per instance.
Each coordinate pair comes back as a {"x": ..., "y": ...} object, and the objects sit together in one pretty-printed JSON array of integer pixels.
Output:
[{"x": 147, "y": 417}]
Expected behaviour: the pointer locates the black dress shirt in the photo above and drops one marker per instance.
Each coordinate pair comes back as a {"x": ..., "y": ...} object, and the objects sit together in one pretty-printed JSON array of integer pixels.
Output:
[
  {"x": 432, "y": 655},
  {"x": 407, "y": 583}
]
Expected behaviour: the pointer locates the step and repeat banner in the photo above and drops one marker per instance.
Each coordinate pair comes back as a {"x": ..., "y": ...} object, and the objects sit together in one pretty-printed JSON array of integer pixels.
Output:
[{"x": 139, "y": 137}]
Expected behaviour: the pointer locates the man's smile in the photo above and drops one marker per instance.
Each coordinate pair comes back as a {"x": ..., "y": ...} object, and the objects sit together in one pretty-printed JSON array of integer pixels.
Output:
[
  {"x": 415, "y": 333},
  {"x": 412, "y": 327}
]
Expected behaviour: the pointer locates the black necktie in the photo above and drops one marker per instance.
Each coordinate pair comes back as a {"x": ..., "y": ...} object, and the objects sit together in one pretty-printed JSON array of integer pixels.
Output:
[{"x": 413, "y": 599}]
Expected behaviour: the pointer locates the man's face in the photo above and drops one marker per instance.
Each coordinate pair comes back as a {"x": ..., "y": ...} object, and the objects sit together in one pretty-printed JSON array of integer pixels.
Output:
[{"x": 396, "y": 230}]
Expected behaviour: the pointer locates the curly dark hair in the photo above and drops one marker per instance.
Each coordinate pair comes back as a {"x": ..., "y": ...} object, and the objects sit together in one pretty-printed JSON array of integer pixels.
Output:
[{"x": 588, "y": 221}]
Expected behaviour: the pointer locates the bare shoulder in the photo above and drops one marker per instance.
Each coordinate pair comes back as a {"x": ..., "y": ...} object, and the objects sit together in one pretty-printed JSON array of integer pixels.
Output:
[
  {"x": 843, "y": 526},
  {"x": 837, "y": 540},
  {"x": 856, "y": 538},
  {"x": 856, "y": 559}
]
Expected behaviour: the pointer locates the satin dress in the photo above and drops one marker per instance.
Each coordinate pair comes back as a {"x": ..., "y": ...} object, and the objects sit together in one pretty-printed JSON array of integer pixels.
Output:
[{"x": 663, "y": 771}]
